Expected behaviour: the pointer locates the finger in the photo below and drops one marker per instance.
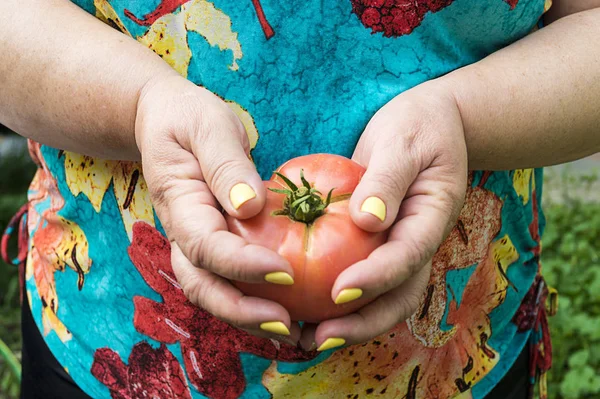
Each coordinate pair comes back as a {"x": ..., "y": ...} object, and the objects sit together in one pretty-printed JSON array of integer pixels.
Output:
[
  {"x": 291, "y": 339},
  {"x": 201, "y": 232},
  {"x": 307, "y": 339},
  {"x": 413, "y": 240},
  {"x": 188, "y": 213},
  {"x": 208, "y": 244},
  {"x": 375, "y": 202},
  {"x": 217, "y": 296},
  {"x": 226, "y": 167},
  {"x": 376, "y": 318}
]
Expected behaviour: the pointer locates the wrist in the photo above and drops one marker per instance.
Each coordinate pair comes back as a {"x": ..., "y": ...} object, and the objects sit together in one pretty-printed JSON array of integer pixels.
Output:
[
  {"x": 433, "y": 111},
  {"x": 158, "y": 87}
]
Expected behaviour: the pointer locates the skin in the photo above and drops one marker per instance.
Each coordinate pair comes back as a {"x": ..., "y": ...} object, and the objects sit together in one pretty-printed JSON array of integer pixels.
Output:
[{"x": 51, "y": 93}]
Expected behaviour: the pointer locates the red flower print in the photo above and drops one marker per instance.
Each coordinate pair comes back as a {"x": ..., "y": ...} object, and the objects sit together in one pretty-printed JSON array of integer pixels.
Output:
[
  {"x": 398, "y": 17},
  {"x": 152, "y": 373},
  {"x": 534, "y": 227},
  {"x": 527, "y": 314},
  {"x": 210, "y": 347}
]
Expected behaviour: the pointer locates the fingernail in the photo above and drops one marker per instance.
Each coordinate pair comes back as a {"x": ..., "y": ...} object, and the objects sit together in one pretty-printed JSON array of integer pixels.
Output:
[
  {"x": 331, "y": 343},
  {"x": 375, "y": 206},
  {"x": 240, "y": 194},
  {"x": 279, "y": 278},
  {"x": 275, "y": 327},
  {"x": 348, "y": 295}
]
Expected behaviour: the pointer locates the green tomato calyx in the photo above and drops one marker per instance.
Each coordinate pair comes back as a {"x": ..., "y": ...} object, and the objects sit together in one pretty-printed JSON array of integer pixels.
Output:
[{"x": 302, "y": 204}]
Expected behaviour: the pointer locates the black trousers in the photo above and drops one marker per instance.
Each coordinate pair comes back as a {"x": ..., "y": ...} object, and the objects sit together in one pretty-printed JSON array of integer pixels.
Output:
[{"x": 44, "y": 378}]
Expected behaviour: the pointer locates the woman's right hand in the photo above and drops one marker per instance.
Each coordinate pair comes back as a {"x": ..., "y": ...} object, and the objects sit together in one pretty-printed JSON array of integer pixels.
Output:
[{"x": 195, "y": 161}]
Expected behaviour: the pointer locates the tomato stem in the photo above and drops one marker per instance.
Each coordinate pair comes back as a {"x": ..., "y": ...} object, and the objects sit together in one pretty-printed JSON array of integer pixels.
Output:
[{"x": 302, "y": 204}]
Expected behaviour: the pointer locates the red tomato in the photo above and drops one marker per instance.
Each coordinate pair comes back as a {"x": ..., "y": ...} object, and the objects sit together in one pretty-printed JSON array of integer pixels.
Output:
[{"x": 318, "y": 250}]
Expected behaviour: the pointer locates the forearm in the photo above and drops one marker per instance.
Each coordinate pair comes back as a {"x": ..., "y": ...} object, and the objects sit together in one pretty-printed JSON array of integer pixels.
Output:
[
  {"x": 536, "y": 102},
  {"x": 70, "y": 81}
]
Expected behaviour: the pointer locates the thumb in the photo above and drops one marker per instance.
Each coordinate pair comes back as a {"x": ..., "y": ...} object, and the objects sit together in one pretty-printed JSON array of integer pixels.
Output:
[
  {"x": 375, "y": 203},
  {"x": 227, "y": 169}
]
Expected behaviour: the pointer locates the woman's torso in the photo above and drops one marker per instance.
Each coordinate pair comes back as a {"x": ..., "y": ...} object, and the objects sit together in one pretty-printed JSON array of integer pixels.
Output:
[{"x": 98, "y": 273}]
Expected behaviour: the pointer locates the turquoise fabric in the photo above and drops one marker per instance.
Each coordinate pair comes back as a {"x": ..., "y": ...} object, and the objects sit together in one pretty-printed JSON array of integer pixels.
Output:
[{"x": 311, "y": 87}]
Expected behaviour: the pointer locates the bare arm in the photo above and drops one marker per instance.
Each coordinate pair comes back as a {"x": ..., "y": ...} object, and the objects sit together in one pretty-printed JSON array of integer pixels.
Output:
[
  {"x": 562, "y": 8},
  {"x": 536, "y": 102},
  {"x": 69, "y": 80},
  {"x": 72, "y": 82}
]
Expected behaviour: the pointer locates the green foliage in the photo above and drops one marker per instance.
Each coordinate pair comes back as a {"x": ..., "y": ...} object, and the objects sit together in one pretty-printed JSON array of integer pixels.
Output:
[
  {"x": 10, "y": 371},
  {"x": 16, "y": 172},
  {"x": 571, "y": 263}
]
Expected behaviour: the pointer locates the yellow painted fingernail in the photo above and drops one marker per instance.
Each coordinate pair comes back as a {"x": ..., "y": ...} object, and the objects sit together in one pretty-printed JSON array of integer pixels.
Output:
[
  {"x": 279, "y": 278},
  {"x": 348, "y": 295},
  {"x": 240, "y": 194},
  {"x": 275, "y": 327},
  {"x": 331, "y": 343},
  {"x": 375, "y": 206}
]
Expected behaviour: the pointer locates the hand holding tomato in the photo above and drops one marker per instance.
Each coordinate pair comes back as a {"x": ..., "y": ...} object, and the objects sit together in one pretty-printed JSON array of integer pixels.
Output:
[
  {"x": 415, "y": 154},
  {"x": 195, "y": 161},
  {"x": 194, "y": 154}
]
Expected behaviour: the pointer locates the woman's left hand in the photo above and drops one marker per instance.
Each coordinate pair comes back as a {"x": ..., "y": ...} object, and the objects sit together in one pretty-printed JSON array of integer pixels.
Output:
[{"x": 416, "y": 158}]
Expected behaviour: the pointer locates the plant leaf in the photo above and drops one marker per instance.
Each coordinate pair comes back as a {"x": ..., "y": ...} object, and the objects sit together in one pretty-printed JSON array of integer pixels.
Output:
[{"x": 287, "y": 181}]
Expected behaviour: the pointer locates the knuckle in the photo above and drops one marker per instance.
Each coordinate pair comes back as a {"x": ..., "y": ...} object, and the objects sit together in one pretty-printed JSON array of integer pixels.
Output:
[
  {"x": 369, "y": 324},
  {"x": 160, "y": 187},
  {"x": 415, "y": 253},
  {"x": 419, "y": 253},
  {"x": 406, "y": 305},
  {"x": 391, "y": 275},
  {"x": 204, "y": 249},
  {"x": 234, "y": 318},
  {"x": 390, "y": 182},
  {"x": 362, "y": 327},
  {"x": 230, "y": 315},
  {"x": 238, "y": 273},
  {"x": 216, "y": 117},
  {"x": 199, "y": 251},
  {"x": 207, "y": 121},
  {"x": 243, "y": 136},
  {"x": 222, "y": 174},
  {"x": 194, "y": 290},
  {"x": 205, "y": 293}
]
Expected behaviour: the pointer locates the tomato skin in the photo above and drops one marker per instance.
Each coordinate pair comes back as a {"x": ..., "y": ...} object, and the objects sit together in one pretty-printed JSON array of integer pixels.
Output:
[{"x": 318, "y": 252}]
